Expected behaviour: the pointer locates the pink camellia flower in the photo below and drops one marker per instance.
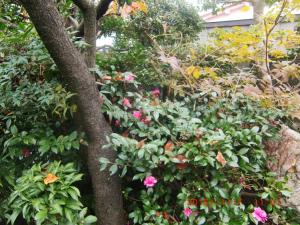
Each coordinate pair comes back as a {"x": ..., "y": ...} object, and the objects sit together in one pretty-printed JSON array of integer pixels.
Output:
[
  {"x": 150, "y": 181},
  {"x": 137, "y": 114},
  {"x": 155, "y": 93},
  {"x": 126, "y": 102},
  {"x": 260, "y": 215},
  {"x": 187, "y": 212},
  {"x": 129, "y": 77}
]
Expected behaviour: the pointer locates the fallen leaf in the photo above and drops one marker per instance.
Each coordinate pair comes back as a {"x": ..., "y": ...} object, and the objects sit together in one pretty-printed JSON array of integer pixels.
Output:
[
  {"x": 155, "y": 102},
  {"x": 220, "y": 158},
  {"x": 169, "y": 146},
  {"x": 140, "y": 144},
  {"x": 125, "y": 133},
  {"x": 106, "y": 78},
  {"x": 182, "y": 164}
]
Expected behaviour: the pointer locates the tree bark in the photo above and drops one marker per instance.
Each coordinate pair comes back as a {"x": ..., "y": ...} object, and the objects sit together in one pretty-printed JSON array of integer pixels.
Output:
[
  {"x": 90, "y": 35},
  {"x": 101, "y": 9},
  {"x": 49, "y": 25}
]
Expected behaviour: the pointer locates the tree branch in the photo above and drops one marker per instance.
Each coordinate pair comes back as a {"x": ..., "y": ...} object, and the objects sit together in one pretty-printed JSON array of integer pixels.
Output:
[
  {"x": 8, "y": 23},
  {"x": 101, "y": 10},
  {"x": 82, "y": 4}
]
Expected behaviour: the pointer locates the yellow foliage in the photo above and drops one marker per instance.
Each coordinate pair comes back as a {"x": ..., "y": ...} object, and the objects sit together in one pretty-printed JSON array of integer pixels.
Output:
[
  {"x": 266, "y": 103},
  {"x": 211, "y": 72},
  {"x": 194, "y": 71},
  {"x": 277, "y": 53},
  {"x": 113, "y": 8}
]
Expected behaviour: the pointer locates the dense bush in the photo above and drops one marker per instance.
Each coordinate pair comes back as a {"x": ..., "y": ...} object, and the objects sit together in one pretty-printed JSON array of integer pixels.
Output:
[
  {"x": 35, "y": 130},
  {"x": 196, "y": 157},
  {"x": 202, "y": 146}
]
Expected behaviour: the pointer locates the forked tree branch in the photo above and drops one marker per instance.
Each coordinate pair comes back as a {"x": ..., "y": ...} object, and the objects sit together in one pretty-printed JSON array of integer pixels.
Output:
[
  {"x": 102, "y": 8},
  {"x": 82, "y": 4}
]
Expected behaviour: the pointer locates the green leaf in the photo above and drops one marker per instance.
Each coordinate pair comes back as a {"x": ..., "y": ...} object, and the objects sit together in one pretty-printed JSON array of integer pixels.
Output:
[
  {"x": 233, "y": 164},
  {"x": 113, "y": 169},
  {"x": 14, "y": 216},
  {"x": 243, "y": 151},
  {"x": 124, "y": 171},
  {"x": 90, "y": 219},
  {"x": 69, "y": 215},
  {"x": 201, "y": 220},
  {"x": 223, "y": 193},
  {"x": 41, "y": 216},
  {"x": 13, "y": 130}
]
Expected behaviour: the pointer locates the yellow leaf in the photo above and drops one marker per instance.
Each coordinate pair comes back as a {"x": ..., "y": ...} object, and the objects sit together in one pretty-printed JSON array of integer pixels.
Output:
[
  {"x": 245, "y": 8},
  {"x": 113, "y": 8},
  {"x": 194, "y": 71},
  {"x": 143, "y": 7},
  {"x": 50, "y": 178},
  {"x": 211, "y": 72},
  {"x": 140, "y": 6},
  {"x": 190, "y": 70},
  {"x": 196, "y": 74}
]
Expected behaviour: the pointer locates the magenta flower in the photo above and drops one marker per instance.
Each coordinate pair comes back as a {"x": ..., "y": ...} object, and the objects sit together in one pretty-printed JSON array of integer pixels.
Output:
[
  {"x": 137, "y": 114},
  {"x": 126, "y": 102},
  {"x": 155, "y": 93},
  {"x": 129, "y": 77},
  {"x": 260, "y": 215},
  {"x": 150, "y": 181},
  {"x": 187, "y": 212}
]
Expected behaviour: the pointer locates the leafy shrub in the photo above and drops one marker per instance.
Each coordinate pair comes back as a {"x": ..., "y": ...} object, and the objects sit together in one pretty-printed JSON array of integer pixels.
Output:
[
  {"x": 35, "y": 130},
  {"x": 46, "y": 193},
  {"x": 203, "y": 146}
]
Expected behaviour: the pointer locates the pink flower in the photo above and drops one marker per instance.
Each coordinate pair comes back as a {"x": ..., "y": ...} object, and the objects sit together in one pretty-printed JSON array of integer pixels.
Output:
[
  {"x": 187, "y": 212},
  {"x": 155, "y": 93},
  {"x": 137, "y": 115},
  {"x": 260, "y": 215},
  {"x": 129, "y": 77},
  {"x": 126, "y": 102},
  {"x": 150, "y": 181}
]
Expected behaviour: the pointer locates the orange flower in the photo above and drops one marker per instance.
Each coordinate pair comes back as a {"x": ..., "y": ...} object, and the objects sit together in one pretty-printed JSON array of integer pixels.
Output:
[
  {"x": 50, "y": 178},
  {"x": 220, "y": 158}
]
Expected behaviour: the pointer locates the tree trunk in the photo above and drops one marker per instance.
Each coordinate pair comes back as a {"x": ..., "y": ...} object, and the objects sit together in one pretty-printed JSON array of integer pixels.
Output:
[{"x": 49, "y": 25}]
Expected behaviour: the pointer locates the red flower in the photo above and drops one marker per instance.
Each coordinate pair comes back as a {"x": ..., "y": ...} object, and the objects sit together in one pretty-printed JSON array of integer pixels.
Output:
[{"x": 26, "y": 152}]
